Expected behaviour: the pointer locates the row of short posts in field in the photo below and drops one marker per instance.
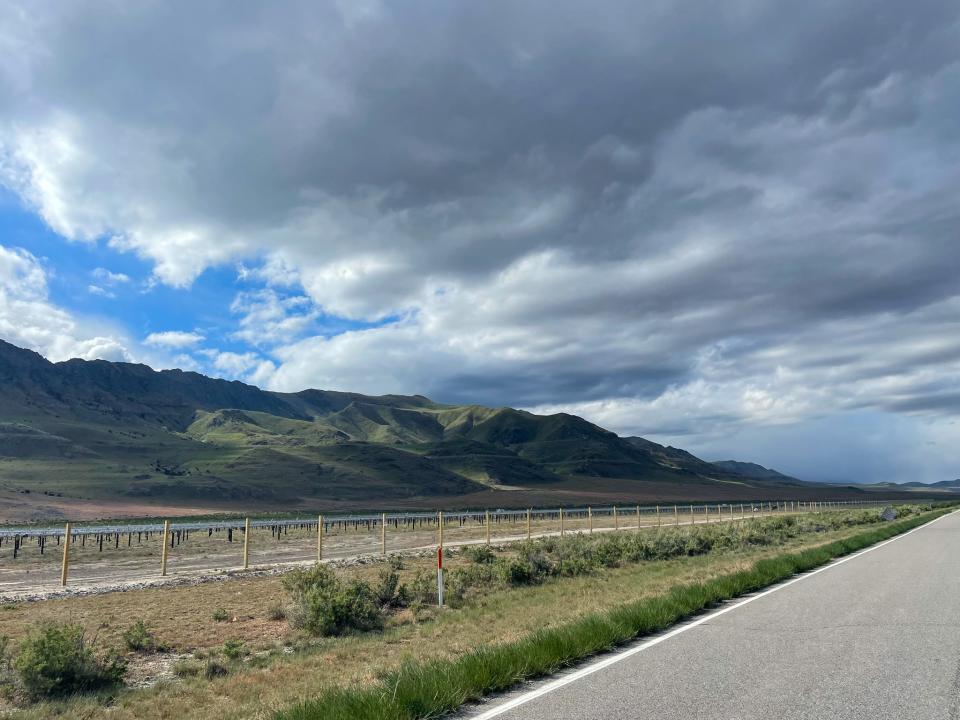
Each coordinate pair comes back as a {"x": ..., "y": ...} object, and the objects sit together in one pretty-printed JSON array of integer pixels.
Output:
[{"x": 621, "y": 518}]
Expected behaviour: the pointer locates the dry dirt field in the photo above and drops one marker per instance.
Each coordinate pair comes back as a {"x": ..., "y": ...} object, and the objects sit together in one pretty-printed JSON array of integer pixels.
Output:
[{"x": 132, "y": 560}]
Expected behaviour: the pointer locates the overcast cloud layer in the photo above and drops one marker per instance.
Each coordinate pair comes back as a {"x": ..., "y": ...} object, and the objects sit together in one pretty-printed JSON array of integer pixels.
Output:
[{"x": 732, "y": 226}]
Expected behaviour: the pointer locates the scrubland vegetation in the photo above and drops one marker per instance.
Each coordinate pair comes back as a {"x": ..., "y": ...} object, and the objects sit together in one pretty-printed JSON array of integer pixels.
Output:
[{"x": 515, "y": 612}]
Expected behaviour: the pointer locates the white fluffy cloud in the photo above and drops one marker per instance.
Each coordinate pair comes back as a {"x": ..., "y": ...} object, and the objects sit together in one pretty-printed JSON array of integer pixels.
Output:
[
  {"x": 267, "y": 318},
  {"x": 248, "y": 366},
  {"x": 106, "y": 280},
  {"x": 108, "y": 277},
  {"x": 175, "y": 339},
  {"x": 29, "y": 319}
]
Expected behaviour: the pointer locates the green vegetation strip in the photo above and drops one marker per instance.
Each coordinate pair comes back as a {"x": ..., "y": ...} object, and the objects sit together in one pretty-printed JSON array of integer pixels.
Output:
[{"x": 426, "y": 690}]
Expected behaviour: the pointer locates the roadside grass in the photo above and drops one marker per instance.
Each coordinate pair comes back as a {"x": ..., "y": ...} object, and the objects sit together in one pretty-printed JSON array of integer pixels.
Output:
[
  {"x": 285, "y": 667},
  {"x": 182, "y": 617},
  {"x": 424, "y": 690}
]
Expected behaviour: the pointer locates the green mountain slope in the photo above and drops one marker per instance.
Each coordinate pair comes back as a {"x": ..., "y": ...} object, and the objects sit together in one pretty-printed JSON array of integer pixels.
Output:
[
  {"x": 753, "y": 470},
  {"x": 102, "y": 430}
]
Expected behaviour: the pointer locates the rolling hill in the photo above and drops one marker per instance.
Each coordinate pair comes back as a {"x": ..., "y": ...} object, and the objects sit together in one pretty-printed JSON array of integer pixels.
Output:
[
  {"x": 104, "y": 432},
  {"x": 752, "y": 470}
]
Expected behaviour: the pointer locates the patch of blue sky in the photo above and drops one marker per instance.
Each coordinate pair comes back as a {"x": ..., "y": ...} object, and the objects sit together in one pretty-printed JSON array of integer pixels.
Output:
[
  {"x": 332, "y": 325},
  {"x": 139, "y": 305}
]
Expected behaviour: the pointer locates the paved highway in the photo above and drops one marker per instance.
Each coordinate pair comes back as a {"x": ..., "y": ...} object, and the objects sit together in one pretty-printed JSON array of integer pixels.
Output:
[{"x": 876, "y": 636}]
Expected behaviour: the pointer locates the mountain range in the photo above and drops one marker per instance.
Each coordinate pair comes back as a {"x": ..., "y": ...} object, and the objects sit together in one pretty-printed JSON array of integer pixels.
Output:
[
  {"x": 118, "y": 434},
  {"x": 752, "y": 470}
]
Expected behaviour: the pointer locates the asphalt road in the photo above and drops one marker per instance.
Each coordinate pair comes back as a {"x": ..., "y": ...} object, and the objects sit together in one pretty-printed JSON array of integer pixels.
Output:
[{"x": 877, "y": 636}]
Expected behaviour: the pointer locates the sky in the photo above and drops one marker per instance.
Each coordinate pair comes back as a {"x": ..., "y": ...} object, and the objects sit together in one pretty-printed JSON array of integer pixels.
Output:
[{"x": 731, "y": 227}]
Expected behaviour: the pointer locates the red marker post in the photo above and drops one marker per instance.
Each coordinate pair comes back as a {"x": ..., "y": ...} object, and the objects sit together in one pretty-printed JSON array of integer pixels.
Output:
[{"x": 440, "y": 576}]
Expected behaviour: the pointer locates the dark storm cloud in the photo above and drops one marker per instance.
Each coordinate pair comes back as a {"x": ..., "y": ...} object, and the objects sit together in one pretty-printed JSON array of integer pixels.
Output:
[{"x": 676, "y": 216}]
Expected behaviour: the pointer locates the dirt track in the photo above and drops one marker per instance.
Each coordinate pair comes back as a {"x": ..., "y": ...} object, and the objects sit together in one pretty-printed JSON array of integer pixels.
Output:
[{"x": 33, "y": 576}]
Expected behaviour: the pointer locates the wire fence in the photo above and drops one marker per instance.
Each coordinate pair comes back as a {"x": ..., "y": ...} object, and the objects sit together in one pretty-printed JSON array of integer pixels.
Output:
[{"x": 91, "y": 555}]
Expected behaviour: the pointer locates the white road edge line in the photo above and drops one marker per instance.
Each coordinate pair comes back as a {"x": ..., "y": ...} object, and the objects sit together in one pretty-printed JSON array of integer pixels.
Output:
[{"x": 624, "y": 654}]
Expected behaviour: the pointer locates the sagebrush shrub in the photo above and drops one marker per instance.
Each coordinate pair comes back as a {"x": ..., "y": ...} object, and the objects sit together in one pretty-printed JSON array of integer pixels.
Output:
[
  {"x": 480, "y": 554},
  {"x": 6, "y": 669},
  {"x": 515, "y": 572},
  {"x": 138, "y": 637},
  {"x": 538, "y": 560},
  {"x": 214, "y": 669},
  {"x": 55, "y": 659},
  {"x": 234, "y": 649},
  {"x": 187, "y": 668},
  {"x": 326, "y": 605},
  {"x": 390, "y": 592},
  {"x": 386, "y": 589},
  {"x": 423, "y": 589}
]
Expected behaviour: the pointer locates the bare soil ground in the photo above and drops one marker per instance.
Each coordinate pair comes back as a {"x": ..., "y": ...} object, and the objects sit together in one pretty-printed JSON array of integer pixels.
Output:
[
  {"x": 20, "y": 507},
  {"x": 33, "y": 576}
]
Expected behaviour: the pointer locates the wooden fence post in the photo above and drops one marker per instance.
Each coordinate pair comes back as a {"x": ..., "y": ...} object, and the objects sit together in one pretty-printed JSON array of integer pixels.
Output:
[
  {"x": 163, "y": 553},
  {"x": 383, "y": 534},
  {"x": 561, "y": 522},
  {"x": 590, "y": 519},
  {"x": 638, "y": 518},
  {"x": 440, "y": 571},
  {"x": 676, "y": 516},
  {"x": 486, "y": 524},
  {"x": 658, "y": 516},
  {"x": 440, "y": 529},
  {"x": 616, "y": 521},
  {"x": 66, "y": 556},
  {"x": 246, "y": 544},
  {"x": 528, "y": 523},
  {"x": 319, "y": 538},
  {"x": 692, "y": 517}
]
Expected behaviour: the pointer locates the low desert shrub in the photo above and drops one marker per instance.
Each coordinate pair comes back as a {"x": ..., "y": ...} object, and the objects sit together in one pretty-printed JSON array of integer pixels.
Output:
[
  {"x": 326, "y": 605},
  {"x": 55, "y": 659},
  {"x": 234, "y": 649},
  {"x": 577, "y": 554},
  {"x": 390, "y": 592},
  {"x": 6, "y": 669},
  {"x": 138, "y": 638},
  {"x": 276, "y": 612},
  {"x": 187, "y": 668},
  {"x": 481, "y": 554},
  {"x": 214, "y": 669}
]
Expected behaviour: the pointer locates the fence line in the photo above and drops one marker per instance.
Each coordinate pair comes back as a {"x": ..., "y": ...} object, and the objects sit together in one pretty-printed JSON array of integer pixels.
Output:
[
  {"x": 374, "y": 519},
  {"x": 549, "y": 521}
]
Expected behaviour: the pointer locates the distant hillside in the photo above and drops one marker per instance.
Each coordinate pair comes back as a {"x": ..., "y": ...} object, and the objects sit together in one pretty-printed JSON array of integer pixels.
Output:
[
  {"x": 753, "y": 470},
  {"x": 103, "y": 431},
  {"x": 675, "y": 458},
  {"x": 941, "y": 486}
]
